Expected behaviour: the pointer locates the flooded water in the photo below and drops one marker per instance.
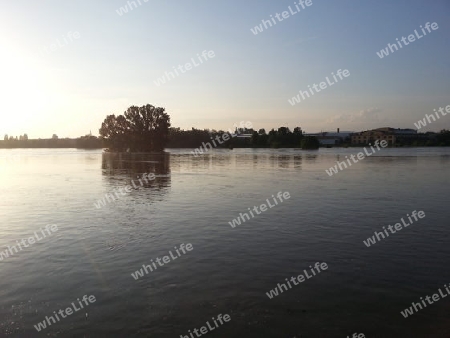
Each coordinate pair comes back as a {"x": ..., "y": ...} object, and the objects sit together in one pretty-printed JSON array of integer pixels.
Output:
[{"x": 100, "y": 242}]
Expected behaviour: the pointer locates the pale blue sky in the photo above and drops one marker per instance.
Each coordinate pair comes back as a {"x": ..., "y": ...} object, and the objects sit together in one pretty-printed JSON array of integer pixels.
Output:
[{"x": 116, "y": 60}]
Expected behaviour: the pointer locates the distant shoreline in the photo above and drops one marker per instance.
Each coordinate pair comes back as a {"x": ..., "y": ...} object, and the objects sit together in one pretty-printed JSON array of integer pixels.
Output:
[
  {"x": 84, "y": 142},
  {"x": 298, "y": 148}
]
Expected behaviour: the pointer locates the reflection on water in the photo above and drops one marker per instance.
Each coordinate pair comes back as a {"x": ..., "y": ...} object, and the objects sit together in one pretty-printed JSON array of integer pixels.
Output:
[
  {"x": 158, "y": 164},
  {"x": 133, "y": 166},
  {"x": 148, "y": 175}
]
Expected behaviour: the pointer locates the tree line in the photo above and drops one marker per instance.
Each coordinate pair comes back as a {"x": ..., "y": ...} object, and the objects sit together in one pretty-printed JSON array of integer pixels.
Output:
[
  {"x": 148, "y": 129},
  {"x": 282, "y": 137},
  {"x": 83, "y": 142}
]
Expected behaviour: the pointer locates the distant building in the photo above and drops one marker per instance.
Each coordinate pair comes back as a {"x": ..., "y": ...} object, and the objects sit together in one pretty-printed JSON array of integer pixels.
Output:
[
  {"x": 370, "y": 136},
  {"x": 390, "y": 135},
  {"x": 330, "y": 139}
]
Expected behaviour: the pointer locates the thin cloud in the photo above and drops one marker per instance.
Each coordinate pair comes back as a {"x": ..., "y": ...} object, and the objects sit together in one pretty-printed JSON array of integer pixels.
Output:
[{"x": 366, "y": 115}]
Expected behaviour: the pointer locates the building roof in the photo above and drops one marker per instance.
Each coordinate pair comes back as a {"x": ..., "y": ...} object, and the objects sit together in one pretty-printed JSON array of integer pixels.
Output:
[{"x": 331, "y": 134}]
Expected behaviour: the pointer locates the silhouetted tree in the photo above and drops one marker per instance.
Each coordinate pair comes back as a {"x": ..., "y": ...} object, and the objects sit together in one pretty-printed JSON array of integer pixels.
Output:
[
  {"x": 89, "y": 142},
  {"x": 189, "y": 138},
  {"x": 143, "y": 129},
  {"x": 310, "y": 142},
  {"x": 443, "y": 137}
]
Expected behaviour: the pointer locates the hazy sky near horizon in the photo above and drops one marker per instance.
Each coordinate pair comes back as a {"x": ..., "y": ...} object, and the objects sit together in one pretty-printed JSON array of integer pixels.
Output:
[{"x": 117, "y": 59}]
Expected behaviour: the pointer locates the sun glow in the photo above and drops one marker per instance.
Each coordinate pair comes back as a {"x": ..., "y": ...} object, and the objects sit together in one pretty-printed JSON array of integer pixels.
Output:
[{"x": 23, "y": 89}]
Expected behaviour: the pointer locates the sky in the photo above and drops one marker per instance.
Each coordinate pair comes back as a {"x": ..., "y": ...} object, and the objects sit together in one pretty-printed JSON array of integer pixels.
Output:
[{"x": 66, "y": 65}]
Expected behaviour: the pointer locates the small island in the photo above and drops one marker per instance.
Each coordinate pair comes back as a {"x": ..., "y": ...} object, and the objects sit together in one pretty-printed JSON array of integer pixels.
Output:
[{"x": 139, "y": 129}]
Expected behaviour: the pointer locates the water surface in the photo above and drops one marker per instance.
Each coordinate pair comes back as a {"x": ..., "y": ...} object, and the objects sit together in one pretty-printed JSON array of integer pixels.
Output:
[{"x": 230, "y": 269}]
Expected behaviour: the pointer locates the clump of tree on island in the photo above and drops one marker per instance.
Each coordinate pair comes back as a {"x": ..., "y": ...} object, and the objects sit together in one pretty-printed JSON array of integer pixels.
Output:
[{"x": 139, "y": 129}]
